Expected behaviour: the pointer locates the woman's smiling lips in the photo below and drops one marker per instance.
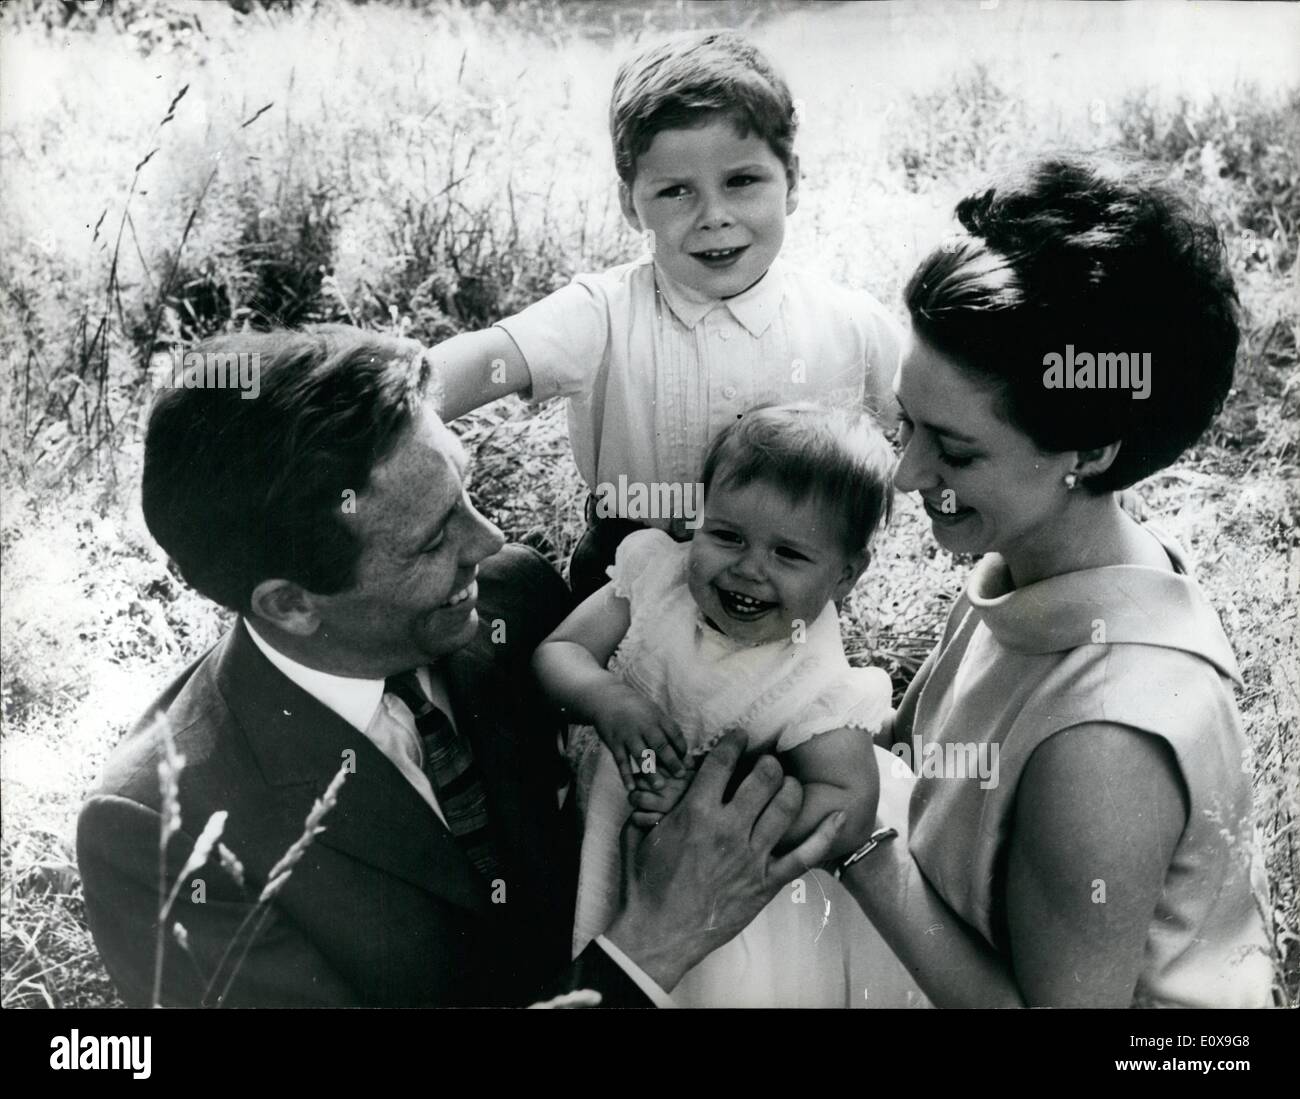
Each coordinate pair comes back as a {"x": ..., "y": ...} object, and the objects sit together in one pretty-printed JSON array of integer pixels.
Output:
[{"x": 948, "y": 517}]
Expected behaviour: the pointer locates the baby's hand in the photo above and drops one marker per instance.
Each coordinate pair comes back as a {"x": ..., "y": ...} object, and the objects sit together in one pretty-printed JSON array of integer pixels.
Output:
[
  {"x": 651, "y": 800},
  {"x": 638, "y": 733}
]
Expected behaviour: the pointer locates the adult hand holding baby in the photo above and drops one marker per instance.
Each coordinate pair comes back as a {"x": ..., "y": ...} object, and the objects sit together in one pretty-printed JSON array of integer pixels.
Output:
[{"x": 692, "y": 883}]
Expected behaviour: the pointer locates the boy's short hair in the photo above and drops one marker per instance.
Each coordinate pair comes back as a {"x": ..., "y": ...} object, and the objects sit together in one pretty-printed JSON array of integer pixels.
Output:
[
  {"x": 685, "y": 81},
  {"x": 838, "y": 456},
  {"x": 240, "y": 491}
]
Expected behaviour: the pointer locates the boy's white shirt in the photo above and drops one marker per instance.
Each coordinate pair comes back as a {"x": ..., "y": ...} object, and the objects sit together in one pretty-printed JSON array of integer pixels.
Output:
[
  {"x": 654, "y": 370},
  {"x": 363, "y": 705}
]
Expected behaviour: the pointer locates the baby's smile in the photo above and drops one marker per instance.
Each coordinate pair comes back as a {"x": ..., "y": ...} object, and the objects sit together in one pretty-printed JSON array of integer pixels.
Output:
[{"x": 743, "y": 608}]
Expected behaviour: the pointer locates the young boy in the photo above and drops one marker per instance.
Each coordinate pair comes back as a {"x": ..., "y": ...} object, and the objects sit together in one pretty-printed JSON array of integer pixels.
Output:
[{"x": 657, "y": 355}]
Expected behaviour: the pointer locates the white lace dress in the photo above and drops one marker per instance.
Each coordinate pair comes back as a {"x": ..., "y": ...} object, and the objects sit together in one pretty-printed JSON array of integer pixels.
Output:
[{"x": 811, "y": 946}]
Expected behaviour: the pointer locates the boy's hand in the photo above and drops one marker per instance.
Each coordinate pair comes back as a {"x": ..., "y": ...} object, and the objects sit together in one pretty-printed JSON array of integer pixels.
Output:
[
  {"x": 632, "y": 726},
  {"x": 650, "y": 801}
]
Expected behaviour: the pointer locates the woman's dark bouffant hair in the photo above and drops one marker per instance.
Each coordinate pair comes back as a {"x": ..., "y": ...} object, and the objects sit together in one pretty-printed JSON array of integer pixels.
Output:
[{"x": 1074, "y": 252}]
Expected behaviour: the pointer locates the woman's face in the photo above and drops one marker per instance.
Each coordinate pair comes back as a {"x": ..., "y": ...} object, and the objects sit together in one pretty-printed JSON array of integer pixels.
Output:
[{"x": 985, "y": 485}]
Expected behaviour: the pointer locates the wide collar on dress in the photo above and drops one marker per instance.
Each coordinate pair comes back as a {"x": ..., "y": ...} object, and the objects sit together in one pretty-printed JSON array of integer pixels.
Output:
[
  {"x": 1116, "y": 604},
  {"x": 755, "y": 308}
]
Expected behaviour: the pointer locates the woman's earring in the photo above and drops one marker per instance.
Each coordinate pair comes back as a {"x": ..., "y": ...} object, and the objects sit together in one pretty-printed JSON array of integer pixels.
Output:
[{"x": 1071, "y": 481}]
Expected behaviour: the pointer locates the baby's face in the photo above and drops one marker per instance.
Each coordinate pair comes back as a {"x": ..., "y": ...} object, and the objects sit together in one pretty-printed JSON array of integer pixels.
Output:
[
  {"x": 716, "y": 204},
  {"x": 761, "y": 563}
]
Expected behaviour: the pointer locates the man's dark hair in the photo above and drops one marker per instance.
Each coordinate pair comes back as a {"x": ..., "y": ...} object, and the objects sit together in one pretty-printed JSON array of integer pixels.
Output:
[
  {"x": 687, "y": 81},
  {"x": 240, "y": 490},
  {"x": 1101, "y": 257},
  {"x": 838, "y": 457}
]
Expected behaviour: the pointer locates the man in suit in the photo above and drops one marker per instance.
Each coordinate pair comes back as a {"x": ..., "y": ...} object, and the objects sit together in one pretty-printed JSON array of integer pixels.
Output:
[{"x": 382, "y": 642}]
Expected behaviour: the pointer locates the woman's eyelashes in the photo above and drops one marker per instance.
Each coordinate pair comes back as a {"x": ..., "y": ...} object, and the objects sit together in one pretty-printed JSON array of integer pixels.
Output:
[
  {"x": 906, "y": 429},
  {"x": 957, "y": 461}
]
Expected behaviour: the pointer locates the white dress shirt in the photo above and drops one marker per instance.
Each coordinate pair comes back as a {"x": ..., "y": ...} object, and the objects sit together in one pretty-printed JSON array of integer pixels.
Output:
[
  {"x": 653, "y": 370},
  {"x": 389, "y": 725},
  {"x": 382, "y": 719}
]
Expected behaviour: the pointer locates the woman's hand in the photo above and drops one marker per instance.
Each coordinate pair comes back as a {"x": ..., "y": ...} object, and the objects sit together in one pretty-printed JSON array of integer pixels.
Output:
[{"x": 641, "y": 737}]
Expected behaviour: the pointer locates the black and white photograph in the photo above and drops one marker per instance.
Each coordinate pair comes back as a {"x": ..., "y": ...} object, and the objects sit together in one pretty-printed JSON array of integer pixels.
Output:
[{"x": 650, "y": 504}]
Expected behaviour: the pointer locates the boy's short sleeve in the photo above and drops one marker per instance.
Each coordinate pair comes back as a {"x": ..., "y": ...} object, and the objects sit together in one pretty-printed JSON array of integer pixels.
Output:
[{"x": 563, "y": 338}]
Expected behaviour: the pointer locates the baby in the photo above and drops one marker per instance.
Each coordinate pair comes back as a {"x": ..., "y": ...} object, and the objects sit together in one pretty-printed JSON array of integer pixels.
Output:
[{"x": 738, "y": 629}]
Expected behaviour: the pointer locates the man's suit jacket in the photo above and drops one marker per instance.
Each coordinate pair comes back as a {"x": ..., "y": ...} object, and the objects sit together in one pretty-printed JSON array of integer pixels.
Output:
[{"x": 384, "y": 909}]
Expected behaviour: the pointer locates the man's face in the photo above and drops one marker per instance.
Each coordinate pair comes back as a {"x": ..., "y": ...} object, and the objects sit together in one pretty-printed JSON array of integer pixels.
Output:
[
  {"x": 762, "y": 563},
  {"x": 716, "y": 203},
  {"x": 415, "y": 598}
]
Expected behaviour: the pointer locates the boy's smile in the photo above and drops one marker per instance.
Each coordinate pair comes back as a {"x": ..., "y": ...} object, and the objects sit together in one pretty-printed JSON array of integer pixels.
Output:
[{"x": 715, "y": 203}]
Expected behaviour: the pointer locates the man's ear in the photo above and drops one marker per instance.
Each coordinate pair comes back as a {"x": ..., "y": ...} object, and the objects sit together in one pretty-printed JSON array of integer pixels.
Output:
[
  {"x": 792, "y": 185},
  {"x": 625, "y": 201},
  {"x": 286, "y": 606},
  {"x": 1088, "y": 463},
  {"x": 854, "y": 567}
]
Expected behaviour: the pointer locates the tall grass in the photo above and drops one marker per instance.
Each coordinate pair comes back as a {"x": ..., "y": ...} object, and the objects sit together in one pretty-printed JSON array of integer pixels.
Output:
[{"x": 429, "y": 172}]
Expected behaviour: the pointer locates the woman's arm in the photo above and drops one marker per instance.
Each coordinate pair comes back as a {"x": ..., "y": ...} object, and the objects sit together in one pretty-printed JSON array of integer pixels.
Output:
[
  {"x": 1099, "y": 812},
  {"x": 837, "y": 771},
  {"x": 953, "y": 965},
  {"x": 898, "y": 729}
]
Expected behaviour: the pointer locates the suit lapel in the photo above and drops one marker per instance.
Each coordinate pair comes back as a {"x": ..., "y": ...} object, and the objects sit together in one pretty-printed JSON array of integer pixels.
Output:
[{"x": 300, "y": 744}]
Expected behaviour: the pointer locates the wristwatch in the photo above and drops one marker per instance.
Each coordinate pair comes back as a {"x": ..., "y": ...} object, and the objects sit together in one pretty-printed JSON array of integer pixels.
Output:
[{"x": 877, "y": 838}]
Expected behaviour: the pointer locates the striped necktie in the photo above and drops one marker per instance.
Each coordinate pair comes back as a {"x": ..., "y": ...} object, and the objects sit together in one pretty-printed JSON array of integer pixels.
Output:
[{"x": 449, "y": 767}]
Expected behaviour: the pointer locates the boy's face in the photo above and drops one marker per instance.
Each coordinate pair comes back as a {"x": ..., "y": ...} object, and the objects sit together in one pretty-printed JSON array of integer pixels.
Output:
[
  {"x": 716, "y": 204},
  {"x": 762, "y": 562}
]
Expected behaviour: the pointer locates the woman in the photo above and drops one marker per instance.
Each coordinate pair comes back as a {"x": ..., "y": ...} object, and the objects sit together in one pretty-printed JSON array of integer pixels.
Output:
[{"x": 1106, "y": 856}]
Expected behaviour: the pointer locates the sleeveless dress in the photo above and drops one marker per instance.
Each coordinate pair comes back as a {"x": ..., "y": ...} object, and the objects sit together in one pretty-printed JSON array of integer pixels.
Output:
[
  {"x": 811, "y": 946},
  {"x": 1129, "y": 645}
]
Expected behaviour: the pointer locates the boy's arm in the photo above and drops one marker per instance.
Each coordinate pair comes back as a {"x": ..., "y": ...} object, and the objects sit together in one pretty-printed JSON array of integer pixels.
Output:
[
  {"x": 475, "y": 368},
  {"x": 837, "y": 771}
]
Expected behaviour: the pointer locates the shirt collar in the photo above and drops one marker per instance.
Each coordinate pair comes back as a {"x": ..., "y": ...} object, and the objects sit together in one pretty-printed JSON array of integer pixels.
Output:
[
  {"x": 354, "y": 700},
  {"x": 754, "y": 309}
]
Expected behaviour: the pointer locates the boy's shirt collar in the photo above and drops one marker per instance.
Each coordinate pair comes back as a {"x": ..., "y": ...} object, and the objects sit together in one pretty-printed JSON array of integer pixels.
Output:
[{"x": 754, "y": 309}]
